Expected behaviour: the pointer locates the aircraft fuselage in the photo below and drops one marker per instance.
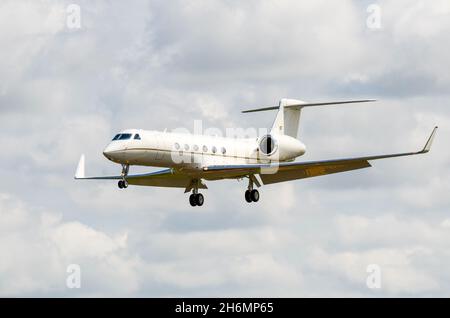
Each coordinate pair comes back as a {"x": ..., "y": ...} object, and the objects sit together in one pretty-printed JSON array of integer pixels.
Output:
[{"x": 176, "y": 150}]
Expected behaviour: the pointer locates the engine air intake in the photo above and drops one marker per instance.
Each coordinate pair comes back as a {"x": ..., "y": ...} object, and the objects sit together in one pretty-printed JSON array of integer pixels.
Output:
[{"x": 268, "y": 145}]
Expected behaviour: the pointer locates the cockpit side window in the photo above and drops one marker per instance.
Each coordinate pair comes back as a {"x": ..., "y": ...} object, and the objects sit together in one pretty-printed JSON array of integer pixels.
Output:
[
  {"x": 137, "y": 137},
  {"x": 116, "y": 137}
]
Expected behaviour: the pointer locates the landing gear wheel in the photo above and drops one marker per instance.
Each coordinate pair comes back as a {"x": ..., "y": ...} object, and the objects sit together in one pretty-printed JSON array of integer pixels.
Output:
[
  {"x": 196, "y": 199},
  {"x": 199, "y": 199},
  {"x": 123, "y": 184},
  {"x": 254, "y": 195},
  {"x": 192, "y": 200},
  {"x": 247, "y": 196}
]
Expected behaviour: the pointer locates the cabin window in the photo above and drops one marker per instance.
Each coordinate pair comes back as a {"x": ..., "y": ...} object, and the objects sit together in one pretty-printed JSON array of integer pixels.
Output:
[
  {"x": 186, "y": 147},
  {"x": 195, "y": 148},
  {"x": 224, "y": 151},
  {"x": 214, "y": 149},
  {"x": 205, "y": 149},
  {"x": 137, "y": 137},
  {"x": 177, "y": 146}
]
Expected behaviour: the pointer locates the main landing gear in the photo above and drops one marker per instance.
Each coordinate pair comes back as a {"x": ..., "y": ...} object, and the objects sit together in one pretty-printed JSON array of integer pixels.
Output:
[
  {"x": 196, "y": 199},
  {"x": 252, "y": 195},
  {"x": 123, "y": 184}
]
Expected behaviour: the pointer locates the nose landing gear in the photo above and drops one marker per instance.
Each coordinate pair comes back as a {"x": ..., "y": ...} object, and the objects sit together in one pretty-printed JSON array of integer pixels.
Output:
[{"x": 123, "y": 184}]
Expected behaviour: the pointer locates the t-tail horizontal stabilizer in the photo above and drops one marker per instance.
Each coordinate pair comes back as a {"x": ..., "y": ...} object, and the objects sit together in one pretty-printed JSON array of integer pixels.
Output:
[
  {"x": 305, "y": 104},
  {"x": 287, "y": 119}
]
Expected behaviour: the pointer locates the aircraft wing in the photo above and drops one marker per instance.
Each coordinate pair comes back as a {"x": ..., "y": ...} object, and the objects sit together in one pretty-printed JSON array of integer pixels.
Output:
[
  {"x": 161, "y": 178},
  {"x": 273, "y": 173}
]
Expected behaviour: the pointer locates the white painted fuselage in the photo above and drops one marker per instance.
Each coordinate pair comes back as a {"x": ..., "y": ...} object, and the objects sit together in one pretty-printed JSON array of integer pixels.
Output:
[{"x": 193, "y": 152}]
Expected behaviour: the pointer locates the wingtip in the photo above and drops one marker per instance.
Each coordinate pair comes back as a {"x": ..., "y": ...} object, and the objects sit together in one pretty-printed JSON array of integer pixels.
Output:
[
  {"x": 430, "y": 140},
  {"x": 79, "y": 174}
]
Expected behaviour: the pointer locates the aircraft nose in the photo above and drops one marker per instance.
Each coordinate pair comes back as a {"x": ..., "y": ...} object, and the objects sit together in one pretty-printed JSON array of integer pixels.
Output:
[
  {"x": 107, "y": 152},
  {"x": 115, "y": 152}
]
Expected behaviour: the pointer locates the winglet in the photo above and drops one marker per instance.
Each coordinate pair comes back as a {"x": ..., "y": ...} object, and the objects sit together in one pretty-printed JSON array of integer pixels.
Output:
[
  {"x": 429, "y": 141},
  {"x": 80, "y": 169}
]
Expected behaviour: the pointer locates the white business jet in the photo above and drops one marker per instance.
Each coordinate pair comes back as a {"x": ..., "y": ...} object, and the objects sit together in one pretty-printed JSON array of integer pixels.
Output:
[{"x": 192, "y": 159}]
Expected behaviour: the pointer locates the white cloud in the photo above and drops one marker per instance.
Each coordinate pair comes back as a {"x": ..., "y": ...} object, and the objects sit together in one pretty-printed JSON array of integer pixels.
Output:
[
  {"x": 38, "y": 246},
  {"x": 399, "y": 275}
]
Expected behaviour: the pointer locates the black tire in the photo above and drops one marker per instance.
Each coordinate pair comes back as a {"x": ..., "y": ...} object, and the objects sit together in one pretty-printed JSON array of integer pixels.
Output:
[
  {"x": 254, "y": 195},
  {"x": 120, "y": 184},
  {"x": 248, "y": 196},
  {"x": 199, "y": 199},
  {"x": 192, "y": 200},
  {"x": 124, "y": 184}
]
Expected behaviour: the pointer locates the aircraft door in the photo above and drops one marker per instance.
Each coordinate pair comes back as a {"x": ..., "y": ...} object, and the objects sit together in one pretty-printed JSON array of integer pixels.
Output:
[
  {"x": 158, "y": 154},
  {"x": 159, "y": 147}
]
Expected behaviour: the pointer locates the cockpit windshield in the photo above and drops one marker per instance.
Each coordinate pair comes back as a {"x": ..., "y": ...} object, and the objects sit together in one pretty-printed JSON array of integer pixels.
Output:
[{"x": 122, "y": 137}]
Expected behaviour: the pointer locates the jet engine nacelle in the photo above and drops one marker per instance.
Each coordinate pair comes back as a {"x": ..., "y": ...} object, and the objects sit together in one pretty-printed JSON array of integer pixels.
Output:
[{"x": 280, "y": 147}]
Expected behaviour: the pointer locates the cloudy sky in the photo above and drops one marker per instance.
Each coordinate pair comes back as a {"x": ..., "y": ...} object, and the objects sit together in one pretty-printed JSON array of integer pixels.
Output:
[{"x": 163, "y": 64}]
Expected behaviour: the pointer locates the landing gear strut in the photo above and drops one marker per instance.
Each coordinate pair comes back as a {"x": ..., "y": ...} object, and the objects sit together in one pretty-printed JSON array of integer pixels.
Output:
[
  {"x": 251, "y": 195},
  {"x": 123, "y": 184},
  {"x": 196, "y": 199}
]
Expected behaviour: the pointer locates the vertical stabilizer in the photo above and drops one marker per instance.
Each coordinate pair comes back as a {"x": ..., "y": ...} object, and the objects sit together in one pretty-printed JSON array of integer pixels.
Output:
[{"x": 287, "y": 119}]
